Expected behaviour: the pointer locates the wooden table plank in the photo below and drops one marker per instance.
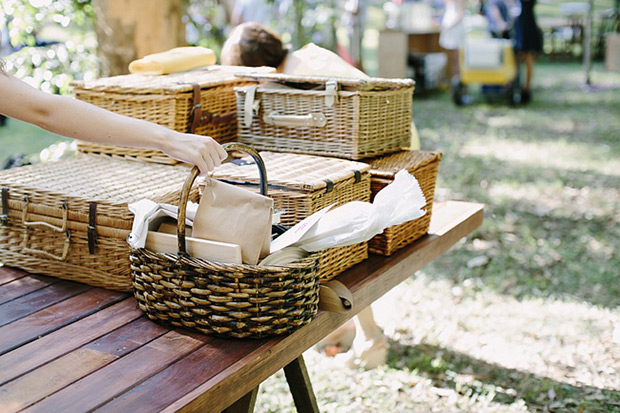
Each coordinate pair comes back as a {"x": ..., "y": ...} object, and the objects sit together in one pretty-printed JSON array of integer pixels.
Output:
[
  {"x": 126, "y": 372},
  {"x": 181, "y": 377},
  {"x": 9, "y": 274},
  {"x": 23, "y": 286},
  {"x": 368, "y": 281},
  {"x": 43, "y": 381},
  {"x": 60, "y": 342},
  {"x": 38, "y": 300},
  {"x": 54, "y": 317}
]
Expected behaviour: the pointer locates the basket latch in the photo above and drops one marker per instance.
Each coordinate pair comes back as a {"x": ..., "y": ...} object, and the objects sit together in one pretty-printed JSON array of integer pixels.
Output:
[
  {"x": 4, "y": 218},
  {"x": 250, "y": 106},
  {"x": 92, "y": 227},
  {"x": 331, "y": 93},
  {"x": 196, "y": 112}
]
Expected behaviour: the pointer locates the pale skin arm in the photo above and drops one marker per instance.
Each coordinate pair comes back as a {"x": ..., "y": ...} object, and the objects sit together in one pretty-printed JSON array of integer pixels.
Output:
[{"x": 79, "y": 120}]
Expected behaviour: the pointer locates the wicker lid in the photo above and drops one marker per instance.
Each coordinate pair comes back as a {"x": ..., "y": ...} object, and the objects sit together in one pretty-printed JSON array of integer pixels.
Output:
[
  {"x": 169, "y": 84},
  {"x": 111, "y": 183},
  {"x": 387, "y": 166},
  {"x": 374, "y": 83},
  {"x": 292, "y": 171}
]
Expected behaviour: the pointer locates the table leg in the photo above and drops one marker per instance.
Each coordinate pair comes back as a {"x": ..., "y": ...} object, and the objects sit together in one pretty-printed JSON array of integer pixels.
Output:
[
  {"x": 244, "y": 404},
  {"x": 300, "y": 386}
]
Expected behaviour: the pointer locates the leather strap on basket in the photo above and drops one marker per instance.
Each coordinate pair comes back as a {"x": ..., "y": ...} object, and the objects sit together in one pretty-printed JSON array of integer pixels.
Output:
[
  {"x": 198, "y": 117},
  {"x": 92, "y": 227},
  {"x": 4, "y": 218}
]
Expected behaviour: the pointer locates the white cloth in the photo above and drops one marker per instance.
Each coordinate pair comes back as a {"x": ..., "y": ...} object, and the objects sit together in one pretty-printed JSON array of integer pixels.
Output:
[
  {"x": 452, "y": 29},
  {"x": 147, "y": 213},
  {"x": 357, "y": 221}
]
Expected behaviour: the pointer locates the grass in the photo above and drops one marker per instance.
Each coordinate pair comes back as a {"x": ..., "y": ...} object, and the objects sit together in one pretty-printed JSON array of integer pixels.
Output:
[
  {"x": 524, "y": 315},
  {"x": 20, "y": 138}
]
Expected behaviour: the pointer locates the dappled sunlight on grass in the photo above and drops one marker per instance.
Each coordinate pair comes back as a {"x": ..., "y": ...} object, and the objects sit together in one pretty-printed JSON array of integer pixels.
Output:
[{"x": 557, "y": 154}]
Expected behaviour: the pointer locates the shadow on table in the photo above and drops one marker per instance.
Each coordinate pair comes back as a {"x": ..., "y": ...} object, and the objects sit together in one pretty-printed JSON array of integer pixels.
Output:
[{"x": 470, "y": 376}]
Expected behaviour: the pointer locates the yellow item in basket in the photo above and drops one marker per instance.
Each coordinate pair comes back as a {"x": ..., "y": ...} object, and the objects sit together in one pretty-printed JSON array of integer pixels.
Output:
[{"x": 173, "y": 60}]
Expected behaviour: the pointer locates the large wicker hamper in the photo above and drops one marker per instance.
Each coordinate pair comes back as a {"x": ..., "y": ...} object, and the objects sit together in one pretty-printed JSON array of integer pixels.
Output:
[
  {"x": 199, "y": 101},
  {"x": 69, "y": 219},
  {"x": 303, "y": 184},
  {"x": 421, "y": 164},
  {"x": 345, "y": 118}
]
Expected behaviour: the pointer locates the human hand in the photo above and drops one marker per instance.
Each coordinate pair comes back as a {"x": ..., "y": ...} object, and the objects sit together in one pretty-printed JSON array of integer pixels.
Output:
[{"x": 202, "y": 151}]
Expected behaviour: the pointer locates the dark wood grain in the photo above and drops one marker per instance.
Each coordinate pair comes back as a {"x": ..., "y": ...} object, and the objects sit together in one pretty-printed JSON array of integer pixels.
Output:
[
  {"x": 300, "y": 386},
  {"x": 43, "y": 381},
  {"x": 8, "y": 274},
  {"x": 72, "y": 336},
  {"x": 126, "y": 372},
  {"x": 181, "y": 377},
  {"x": 22, "y": 286},
  {"x": 38, "y": 300},
  {"x": 54, "y": 317}
]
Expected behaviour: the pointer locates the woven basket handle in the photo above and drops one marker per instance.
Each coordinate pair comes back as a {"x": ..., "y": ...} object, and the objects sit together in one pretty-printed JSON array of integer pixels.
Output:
[{"x": 189, "y": 181}]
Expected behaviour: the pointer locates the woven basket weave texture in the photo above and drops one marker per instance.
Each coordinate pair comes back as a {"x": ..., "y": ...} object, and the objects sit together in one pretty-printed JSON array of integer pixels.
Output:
[
  {"x": 168, "y": 101},
  {"x": 29, "y": 242},
  {"x": 302, "y": 185},
  {"x": 423, "y": 165},
  {"x": 365, "y": 120}
]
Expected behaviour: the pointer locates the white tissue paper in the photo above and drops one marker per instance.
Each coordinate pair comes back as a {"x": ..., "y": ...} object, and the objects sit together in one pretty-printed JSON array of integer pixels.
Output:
[
  {"x": 357, "y": 221},
  {"x": 146, "y": 212}
]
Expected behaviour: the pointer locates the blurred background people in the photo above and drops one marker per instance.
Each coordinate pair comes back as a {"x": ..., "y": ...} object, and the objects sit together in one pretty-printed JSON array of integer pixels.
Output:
[{"x": 528, "y": 43}]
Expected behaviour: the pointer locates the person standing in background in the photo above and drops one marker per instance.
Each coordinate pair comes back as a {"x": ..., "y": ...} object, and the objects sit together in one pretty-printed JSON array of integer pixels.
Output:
[
  {"x": 528, "y": 43},
  {"x": 497, "y": 13},
  {"x": 452, "y": 32}
]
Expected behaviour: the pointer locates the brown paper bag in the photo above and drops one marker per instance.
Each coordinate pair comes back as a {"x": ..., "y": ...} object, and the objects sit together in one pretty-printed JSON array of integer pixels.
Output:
[{"x": 231, "y": 214}]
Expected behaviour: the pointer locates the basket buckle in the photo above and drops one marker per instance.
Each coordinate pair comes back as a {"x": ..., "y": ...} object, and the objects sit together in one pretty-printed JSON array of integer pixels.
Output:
[
  {"x": 4, "y": 218},
  {"x": 331, "y": 93}
]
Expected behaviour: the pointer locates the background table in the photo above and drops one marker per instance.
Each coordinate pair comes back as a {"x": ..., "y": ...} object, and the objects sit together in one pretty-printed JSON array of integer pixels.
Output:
[{"x": 69, "y": 347}]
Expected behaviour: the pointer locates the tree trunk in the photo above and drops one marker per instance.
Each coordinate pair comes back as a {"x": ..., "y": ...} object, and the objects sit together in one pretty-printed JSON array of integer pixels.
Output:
[{"x": 129, "y": 30}]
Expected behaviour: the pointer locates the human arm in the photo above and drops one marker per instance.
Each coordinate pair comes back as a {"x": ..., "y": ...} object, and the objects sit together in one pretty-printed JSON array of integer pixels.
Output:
[{"x": 79, "y": 120}]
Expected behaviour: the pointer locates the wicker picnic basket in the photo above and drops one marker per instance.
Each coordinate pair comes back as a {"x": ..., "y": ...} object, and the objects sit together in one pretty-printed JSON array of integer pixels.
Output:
[
  {"x": 423, "y": 166},
  {"x": 199, "y": 101},
  {"x": 345, "y": 118},
  {"x": 69, "y": 219},
  {"x": 229, "y": 300},
  {"x": 303, "y": 184}
]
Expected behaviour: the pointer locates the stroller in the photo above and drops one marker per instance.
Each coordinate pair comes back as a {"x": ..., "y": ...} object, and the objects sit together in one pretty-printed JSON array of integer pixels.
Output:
[{"x": 486, "y": 61}]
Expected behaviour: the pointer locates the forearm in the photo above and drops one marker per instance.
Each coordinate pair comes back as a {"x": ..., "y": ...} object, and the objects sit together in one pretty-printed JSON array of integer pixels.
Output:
[{"x": 76, "y": 119}]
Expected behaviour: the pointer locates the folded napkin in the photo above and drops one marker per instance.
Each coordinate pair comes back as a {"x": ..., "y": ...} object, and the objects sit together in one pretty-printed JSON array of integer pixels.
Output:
[
  {"x": 147, "y": 216},
  {"x": 173, "y": 60}
]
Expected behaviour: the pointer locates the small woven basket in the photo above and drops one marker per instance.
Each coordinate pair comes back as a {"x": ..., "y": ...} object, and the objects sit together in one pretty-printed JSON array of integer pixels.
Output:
[
  {"x": 423, "y": 166},
  {"x": 228, "y": 300},
  {"x": 344, "y": 118},
  {"x": 198, "y": 101}
]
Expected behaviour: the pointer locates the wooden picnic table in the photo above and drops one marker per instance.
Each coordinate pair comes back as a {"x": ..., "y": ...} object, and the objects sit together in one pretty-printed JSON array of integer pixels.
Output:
[{"x": 69, "y": 347}]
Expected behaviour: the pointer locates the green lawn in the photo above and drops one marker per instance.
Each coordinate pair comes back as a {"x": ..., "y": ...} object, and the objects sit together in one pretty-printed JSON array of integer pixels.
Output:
[{"x": 19, "y": 138}]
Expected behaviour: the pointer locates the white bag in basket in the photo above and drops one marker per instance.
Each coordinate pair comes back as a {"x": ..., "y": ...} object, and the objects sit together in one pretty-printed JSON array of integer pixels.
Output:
[{"x": 357, "y": 221}]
